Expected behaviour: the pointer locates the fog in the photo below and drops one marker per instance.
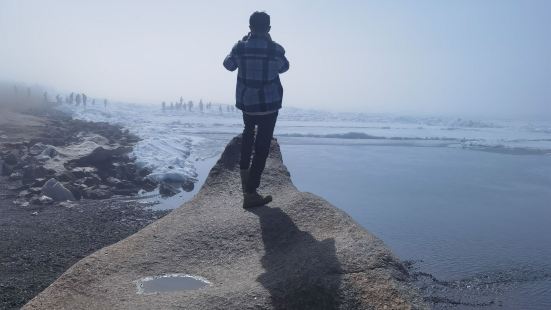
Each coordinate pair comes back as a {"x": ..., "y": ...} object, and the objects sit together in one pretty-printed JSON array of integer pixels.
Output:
[{"x": 465, "y": 58}]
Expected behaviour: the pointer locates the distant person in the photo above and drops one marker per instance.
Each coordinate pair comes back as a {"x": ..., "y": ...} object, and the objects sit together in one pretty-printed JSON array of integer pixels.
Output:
[
  {"x": 84, "y": 99},
  {"x": 77, "y": 99},
  {"x": 45, "y": 97},
  {"x": 258, "y": 94},
  {"x": 163, "y": 105},
  {"x": 201, "y": 106},
  {"x": 190, "y": 105},
  {"x": 71, "y": 98},
  {"x": 172, "y": 106},
  {"x": 105, "y": 104},
  {"x": 220, "y": 108}
]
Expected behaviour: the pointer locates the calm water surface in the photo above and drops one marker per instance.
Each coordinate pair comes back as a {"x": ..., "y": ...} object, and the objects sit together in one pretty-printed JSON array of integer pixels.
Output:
[{"x": 480, "y": 220}]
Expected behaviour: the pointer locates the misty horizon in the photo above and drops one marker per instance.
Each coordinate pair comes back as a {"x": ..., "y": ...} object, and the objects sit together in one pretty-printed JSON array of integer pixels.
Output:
[{"x": 480, "y": 60}]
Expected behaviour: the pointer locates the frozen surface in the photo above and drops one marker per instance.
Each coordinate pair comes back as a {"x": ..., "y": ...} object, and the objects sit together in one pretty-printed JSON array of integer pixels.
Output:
[{"x": 174, "y": 139}]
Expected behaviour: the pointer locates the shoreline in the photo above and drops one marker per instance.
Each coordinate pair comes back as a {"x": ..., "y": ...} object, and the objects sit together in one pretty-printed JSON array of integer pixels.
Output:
[{"x": 42, "y": 240}]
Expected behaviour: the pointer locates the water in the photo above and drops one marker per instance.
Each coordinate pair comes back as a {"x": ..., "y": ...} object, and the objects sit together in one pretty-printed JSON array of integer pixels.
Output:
[
  {"x": 479, "y": 219},
  {"x": 170, "y": 283}
]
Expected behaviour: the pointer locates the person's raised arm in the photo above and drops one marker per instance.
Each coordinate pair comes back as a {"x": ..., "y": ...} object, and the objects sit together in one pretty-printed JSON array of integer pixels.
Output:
[
  {"x": 280, "y": 56},
  {"x": 230, "y": 63}
]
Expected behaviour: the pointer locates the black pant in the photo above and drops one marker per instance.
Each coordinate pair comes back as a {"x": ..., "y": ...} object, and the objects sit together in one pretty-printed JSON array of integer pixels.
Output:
[{"x": 264, "y": 133}]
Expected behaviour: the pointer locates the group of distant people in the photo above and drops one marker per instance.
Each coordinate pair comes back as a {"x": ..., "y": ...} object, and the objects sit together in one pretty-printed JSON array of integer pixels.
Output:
[
  {"x": 76, "y": 99},
  {"x": 181, "y": 105}
]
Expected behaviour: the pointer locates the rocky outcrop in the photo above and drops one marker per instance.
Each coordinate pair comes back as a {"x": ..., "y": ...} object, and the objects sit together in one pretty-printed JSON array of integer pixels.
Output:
[{"x": 300, "y": 252}]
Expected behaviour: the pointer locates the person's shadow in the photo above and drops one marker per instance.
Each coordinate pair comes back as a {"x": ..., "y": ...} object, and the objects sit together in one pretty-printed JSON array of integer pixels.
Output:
[{"x": 300, "y": 271}]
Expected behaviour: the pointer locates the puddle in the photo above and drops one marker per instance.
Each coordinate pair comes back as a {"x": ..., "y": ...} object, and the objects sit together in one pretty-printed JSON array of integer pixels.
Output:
[{"x": 170, "y": 283}]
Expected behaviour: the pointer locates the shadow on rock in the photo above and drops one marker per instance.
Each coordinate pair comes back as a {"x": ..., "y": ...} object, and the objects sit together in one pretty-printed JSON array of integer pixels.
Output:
[{"x": 300, "y": 271}]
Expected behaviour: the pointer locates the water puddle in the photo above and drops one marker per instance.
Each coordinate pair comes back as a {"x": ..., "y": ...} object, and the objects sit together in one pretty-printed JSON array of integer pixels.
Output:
[{"x": 170, "y": 283}]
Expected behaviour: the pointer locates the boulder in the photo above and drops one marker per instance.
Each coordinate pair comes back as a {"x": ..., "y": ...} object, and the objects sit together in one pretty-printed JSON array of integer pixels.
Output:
[
  {"x": 91, "y": 180},
  {"x": 299, "y": 252},
  {"x": 37, "y": 148},
  {"x": 48, "y": 153},
  {"x": 52, "y": 188},
  {"x": 33, "y": 172},
  {"x": 148, "y": 184},
  {"x": 168, "y": 189},
  {"x": 188, "y": 185},
  {"x": 101, "y": 154}
]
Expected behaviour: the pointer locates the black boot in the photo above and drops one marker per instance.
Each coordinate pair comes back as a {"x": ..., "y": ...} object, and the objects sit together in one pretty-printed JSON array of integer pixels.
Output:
[{"x": 251, "y": 200}]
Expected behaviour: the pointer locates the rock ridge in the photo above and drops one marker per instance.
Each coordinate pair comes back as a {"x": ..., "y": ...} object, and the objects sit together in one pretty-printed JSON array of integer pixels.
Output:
[{"x": 300, "y": 252}]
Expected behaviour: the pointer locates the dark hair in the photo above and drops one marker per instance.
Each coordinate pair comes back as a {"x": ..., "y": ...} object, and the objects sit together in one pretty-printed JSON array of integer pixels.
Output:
[{"x": 259, "y": 21}]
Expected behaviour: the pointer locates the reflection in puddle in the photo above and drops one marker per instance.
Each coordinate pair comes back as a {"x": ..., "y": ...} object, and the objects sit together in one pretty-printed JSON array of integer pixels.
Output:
[{"x": 170, "y": 283}]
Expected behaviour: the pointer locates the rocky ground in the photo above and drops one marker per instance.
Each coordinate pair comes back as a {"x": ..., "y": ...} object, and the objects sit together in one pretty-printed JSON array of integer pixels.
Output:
[
  {"x": 62, "y": 196},
  {"x": 299, "y": 252}
]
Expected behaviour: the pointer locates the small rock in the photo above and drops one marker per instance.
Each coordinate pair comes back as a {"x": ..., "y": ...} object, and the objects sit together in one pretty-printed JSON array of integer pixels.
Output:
[
  {"x": 32, "y": 172},
  {"x": 97, "y": 193},
  {"x": 16, "y": 176},
  {"x": 92, "y": 180},
  {"x": 34, "y": 213},
  {"x": 11, "y": 159},
  {"x": 112, "y": 181},
  {"x": 168, "y": 190},
  {"x": 45, "y": 200},
  {"x": 52, "y": 188},
  {"x": 145, "y": 171},
  {"x": 21, "y": 202},
  {"x": 24, "y": 194},
  {"x": 81, "y": 172},
  {"x": 35, "y": 190},
  {"x": 188, "y": 185},
  {"x": 67, "y": 204},
  {"x": 6, "y": 169},
  {"x": 148, "y": 184},
  {"x": 39, "y": 182},
  {"x": 37, "y": 148}
]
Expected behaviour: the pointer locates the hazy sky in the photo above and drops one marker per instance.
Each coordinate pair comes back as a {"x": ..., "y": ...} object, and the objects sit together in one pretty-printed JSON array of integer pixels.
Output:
[{"x": 485, "y": 57}]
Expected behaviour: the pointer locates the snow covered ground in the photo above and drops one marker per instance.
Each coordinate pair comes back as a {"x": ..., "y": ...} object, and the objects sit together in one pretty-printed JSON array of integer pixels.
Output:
[{"x": 174, "y": 140}]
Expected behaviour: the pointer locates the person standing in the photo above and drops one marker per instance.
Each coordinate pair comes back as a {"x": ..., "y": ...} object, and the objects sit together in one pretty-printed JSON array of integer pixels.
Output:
[{"x": 259, "y": 95}]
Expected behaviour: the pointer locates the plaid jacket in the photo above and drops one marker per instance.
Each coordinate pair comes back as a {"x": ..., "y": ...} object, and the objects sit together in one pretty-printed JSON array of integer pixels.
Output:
[{"x": 260, "y": 61}]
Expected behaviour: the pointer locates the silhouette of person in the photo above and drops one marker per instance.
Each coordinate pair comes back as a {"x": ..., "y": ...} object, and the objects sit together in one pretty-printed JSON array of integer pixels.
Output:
[
  {"x": 84, "y": 99},
  {"x": 105, "y": 104},
  {"x": 45, "y": 97},
  {"x": 77, "y": 99},
  {"x": 259, "y": 94},
  {"x": 163, "y": 105}
]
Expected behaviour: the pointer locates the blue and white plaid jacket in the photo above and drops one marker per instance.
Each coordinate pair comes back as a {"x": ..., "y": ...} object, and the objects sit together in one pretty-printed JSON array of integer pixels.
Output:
[{"x": 260, "y": 61}]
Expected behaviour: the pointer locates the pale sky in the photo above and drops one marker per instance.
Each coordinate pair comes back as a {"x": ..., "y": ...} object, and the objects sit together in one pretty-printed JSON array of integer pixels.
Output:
[{"x": 490, "y": 58}]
